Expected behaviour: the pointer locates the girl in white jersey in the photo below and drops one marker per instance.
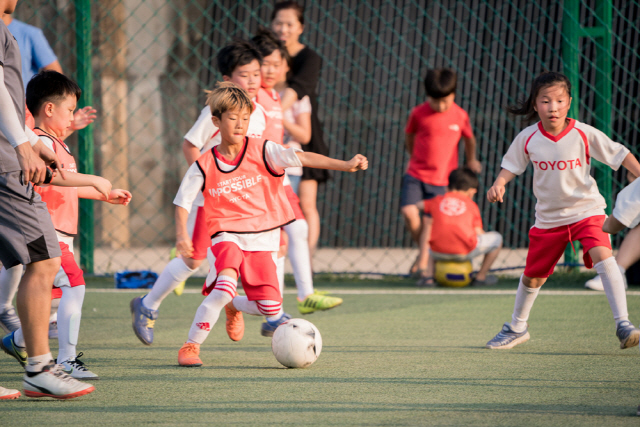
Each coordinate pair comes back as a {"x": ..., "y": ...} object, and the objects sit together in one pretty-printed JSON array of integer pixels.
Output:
[{"x": 569, "y": 206}]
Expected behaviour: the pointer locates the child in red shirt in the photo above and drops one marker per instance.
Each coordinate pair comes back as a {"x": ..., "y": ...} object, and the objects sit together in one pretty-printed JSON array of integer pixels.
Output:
[
  {"x": 433, "y": 132},
  {"x": 457, "y": 233}
]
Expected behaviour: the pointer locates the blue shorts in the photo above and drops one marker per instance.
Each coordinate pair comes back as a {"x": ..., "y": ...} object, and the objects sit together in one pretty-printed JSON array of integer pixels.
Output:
[{"x": 414, "y": 190}]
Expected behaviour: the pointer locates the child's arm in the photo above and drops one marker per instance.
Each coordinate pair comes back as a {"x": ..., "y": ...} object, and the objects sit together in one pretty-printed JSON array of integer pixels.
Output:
[
  {"x": 497, "y": 190},
  {"x": 631, "y": 164},
  {"x": 318, "y": 161},
  {"x": 300, "y": 130},
  {"x": 102, "y": 186},
  {"x": 612, "y": 225},
  {"x": 470, "y": 154},
  {"x": 190, "y": 151},
  {"x": 409, "y": 138},
  {"x": 184, "y": 245},
  {"x": 116, "y": 197}
]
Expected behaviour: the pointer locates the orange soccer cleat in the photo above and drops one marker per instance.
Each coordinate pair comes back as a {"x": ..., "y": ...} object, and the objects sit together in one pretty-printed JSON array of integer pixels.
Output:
[
  {"x": 235, "y": 322},
  {"x": 188, "y": 355}
]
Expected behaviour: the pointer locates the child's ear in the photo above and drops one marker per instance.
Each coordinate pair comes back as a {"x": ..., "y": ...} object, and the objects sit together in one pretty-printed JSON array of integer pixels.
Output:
[
  {"x": 216, "y": 121},
  {"x": 226, "y": 78},
  {"x": 48, "y": 109}
]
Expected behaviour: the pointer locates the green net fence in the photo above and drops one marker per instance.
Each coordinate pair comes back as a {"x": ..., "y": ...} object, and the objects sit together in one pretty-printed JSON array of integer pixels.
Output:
[{"x": 147, "y": 63}]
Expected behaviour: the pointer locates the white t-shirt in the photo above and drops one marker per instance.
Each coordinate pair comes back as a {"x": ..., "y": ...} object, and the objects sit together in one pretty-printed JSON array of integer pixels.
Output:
[
  {"x": 204, "y": 134},
  {"x": 562, "y": 184},
  {"x": 627, "y": 209},
  {"x": 299, "y": 107},
  {"x": 278, "y": 158}
]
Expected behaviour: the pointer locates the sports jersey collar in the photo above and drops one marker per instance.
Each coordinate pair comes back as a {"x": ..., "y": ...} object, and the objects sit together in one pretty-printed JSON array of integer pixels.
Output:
[
  {"x": 236, "y": 162},
  {"x": 558, "y": 137}
]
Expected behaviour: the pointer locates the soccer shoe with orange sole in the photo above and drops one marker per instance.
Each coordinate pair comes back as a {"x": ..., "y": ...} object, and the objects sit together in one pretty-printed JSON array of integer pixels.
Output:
[
  {"x": 235, "y": 322},
  {"x": 9, "y": 394},
  {"x": 188, "y": 355},
  {"x": 52, "y": 381}
]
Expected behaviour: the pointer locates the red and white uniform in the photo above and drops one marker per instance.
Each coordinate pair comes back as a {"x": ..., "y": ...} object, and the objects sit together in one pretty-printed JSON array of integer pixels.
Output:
[
  {"x": 565, "y": 191},
  {"x": 301, "y": 106},
  {"x": 62, "y": 204},
  {"x": 244, "y": 202}
]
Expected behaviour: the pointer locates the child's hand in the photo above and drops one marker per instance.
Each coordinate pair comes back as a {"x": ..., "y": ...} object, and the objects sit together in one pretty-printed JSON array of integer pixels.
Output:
[
  {"x": 83, "y": 118},
  {"x": 495, "y": 193},
  {"x": 102, "y": 185},
  {"x": 184, "y": 245},
  {"x": 359, "y": 162},
  {"x": 474, "y": 165},
  {"x": 119, "y": 197}
]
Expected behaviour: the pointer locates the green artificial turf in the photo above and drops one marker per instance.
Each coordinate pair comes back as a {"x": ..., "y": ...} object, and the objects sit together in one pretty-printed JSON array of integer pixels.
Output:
[{"x": 392, "y": 359}]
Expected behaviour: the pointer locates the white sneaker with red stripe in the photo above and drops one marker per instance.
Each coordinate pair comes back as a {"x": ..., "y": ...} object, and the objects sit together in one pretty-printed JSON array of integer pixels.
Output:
[{"x": 52, "y": 381}]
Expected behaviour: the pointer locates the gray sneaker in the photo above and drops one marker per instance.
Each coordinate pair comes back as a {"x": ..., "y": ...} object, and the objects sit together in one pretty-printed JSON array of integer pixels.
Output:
[
  {"x": 628, "y": 334},
  {"x": 9, "y": 320},
  {"x": 507, "y": 338},
  {"x": 143, "y": 319},
  {"x": 77, "y": 369}
]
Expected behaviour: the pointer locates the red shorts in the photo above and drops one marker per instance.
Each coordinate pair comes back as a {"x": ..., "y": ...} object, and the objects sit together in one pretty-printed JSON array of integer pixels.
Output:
[
  {"x": 69, "y": 275},
  {"x": 200, "y": 238},
  {"x": 546, "y": 246},
  {"x": 257, "y": 269},
  {"x": 294, "y": 201}
]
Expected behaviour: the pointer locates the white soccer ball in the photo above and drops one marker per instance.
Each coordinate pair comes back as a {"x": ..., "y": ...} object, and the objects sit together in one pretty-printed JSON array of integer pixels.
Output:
[{"x": 296, "y": 343}]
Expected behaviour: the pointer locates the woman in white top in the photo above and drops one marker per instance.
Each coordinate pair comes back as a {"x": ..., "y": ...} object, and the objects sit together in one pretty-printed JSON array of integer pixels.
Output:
[{"x": 569, "y": 206}]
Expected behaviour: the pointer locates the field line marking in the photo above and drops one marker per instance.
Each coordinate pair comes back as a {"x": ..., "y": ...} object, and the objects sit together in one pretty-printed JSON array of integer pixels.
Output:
[{"x": 394, "y": 292}]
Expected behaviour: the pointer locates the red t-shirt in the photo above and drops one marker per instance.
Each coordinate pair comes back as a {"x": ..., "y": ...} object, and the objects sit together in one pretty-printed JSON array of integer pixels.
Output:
[
  {"x": 455, "y": 219},
  {"x": 435, "y": 148}
]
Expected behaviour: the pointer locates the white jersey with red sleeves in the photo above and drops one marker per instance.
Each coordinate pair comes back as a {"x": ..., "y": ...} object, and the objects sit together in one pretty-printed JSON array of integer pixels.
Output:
[
  {"x": 562, "y": 184},
  {"x": 204, "y": 135},
  {"x": 270, "y": 101}
]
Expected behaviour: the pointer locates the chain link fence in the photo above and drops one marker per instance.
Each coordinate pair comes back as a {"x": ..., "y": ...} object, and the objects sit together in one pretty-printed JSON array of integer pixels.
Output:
[{"x": 151, "y": 60}]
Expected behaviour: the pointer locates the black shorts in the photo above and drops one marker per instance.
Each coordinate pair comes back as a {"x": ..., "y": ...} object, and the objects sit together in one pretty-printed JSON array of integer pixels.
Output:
[
  {"x": 26, "y": 231},
  {"x": 414, "y": 190}
]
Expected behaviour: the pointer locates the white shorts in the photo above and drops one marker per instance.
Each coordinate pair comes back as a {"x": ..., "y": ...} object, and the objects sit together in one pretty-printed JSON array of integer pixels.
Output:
[{"x": 487, "y": 242}]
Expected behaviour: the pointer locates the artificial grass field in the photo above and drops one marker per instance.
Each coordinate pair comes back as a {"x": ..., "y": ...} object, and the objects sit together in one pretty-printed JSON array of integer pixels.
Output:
[{"x": 406, "y": 357}]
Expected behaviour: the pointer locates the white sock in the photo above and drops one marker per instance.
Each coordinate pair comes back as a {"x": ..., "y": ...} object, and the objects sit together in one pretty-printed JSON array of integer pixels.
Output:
[
  {"x": 613, "y": 284},
  {"x": 272, "y": 310},
  {"x": 173, "y": 274},
  {"x": 298, "y": 232},
  {"x": 69, "y": 315},
  {"x": 36, "y": 363},
  {"x": 9, "y": 281},
  {"x": 55, "y": 303},
  {"x": 207, "y": 315},
  {"x": 525, "y": 298},
  {"x": 280, "y": 273},
  {"x": 242, "y": 303},
  {"x": 18, "y": 338}
]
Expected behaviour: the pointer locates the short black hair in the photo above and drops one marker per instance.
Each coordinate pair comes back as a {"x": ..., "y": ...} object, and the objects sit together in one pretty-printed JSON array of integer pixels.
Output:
[
  {"x": 463, "y": 179},
  {"x": 49, "y": 86},
  {"x": 441, "y": 82},
  {"x": 268, "y": 42},
  {"x": 236, "y": 54}
]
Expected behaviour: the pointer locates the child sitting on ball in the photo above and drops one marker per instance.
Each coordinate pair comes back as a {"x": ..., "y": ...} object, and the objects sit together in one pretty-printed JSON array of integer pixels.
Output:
[{"x": 457, "y": 233}]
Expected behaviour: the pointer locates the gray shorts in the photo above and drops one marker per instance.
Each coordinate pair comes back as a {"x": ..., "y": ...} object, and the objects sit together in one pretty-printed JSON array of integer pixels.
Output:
[
  {"x": 487, "y": 242},
  {"x": 26, "y": 231}
]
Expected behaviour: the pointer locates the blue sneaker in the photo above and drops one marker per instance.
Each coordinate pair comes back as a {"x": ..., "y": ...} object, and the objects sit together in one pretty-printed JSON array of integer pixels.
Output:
[
  {"x": 628, "y": 334},
  {"x": 9, "y": 346},
  {"x": 507, "y": 338},
  {"x": 143, "y": 320},
  {"x": 268, "y": 328}
]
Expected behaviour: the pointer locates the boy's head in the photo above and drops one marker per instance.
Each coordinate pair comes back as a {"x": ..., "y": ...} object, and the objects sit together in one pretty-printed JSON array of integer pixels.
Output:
[
  {"x": 274, "y": 55},
  {"x": 52, "y": 98},
  {"x": 440, "y": 85},
  {"x": 240, "y": 62},
  {"x": 464, "y": 180},
  {"x": 231, "y": 109}
]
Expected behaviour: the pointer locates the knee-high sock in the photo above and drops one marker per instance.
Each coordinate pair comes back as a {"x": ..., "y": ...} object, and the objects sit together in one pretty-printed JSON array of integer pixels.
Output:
[
  {"x": 9, "y": 281},
  {"x": 525, "y": 298},
  {"x": 613, "y": 284},
  {"x": 280, "y": 273},
  {"x": 55, "y": 303},
  {"x": 207, "y": 315},
  {"x": 242, "y": 303},
  {"x": 173, "y": 274},
  {"x": 272, "y": 310},
  {"x": 69, "y": 315},
  {"x": 298, "y": 232}
]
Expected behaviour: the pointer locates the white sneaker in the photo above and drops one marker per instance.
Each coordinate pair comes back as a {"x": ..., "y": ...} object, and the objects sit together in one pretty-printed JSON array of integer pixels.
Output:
[
  {"x": 595, "y": 284},
  {"x": 54, "y": 382},
  {"x": 9, "y": 394},
  {"x": 77, "y": 369}
]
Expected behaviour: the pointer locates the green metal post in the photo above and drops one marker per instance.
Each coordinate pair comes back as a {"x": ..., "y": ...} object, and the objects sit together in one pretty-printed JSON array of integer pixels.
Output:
[
  {"x": 85, "y": 136},
  {"x": 571, "y": 65}
]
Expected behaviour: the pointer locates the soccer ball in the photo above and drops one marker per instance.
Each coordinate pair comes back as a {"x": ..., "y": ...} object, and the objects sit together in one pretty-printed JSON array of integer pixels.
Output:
[
  {"x": 296, "y": 343},
  {"x": 453, "y": 273}
]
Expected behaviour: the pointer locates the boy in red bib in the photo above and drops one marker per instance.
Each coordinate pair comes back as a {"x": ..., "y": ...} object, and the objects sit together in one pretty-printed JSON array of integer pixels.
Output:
[{"x": 245, "y": 206}]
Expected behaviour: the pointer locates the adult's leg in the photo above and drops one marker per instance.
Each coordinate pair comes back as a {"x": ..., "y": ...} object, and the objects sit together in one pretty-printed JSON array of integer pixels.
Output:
[{"x": 308, "y": 193}]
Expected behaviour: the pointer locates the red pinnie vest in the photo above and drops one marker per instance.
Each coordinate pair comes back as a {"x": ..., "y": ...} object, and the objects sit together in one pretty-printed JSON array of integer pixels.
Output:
[
  {"x": 270, "y": 101},
  {"x": 62, "y": 202},
  {"x": 248, "y": 199}
]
